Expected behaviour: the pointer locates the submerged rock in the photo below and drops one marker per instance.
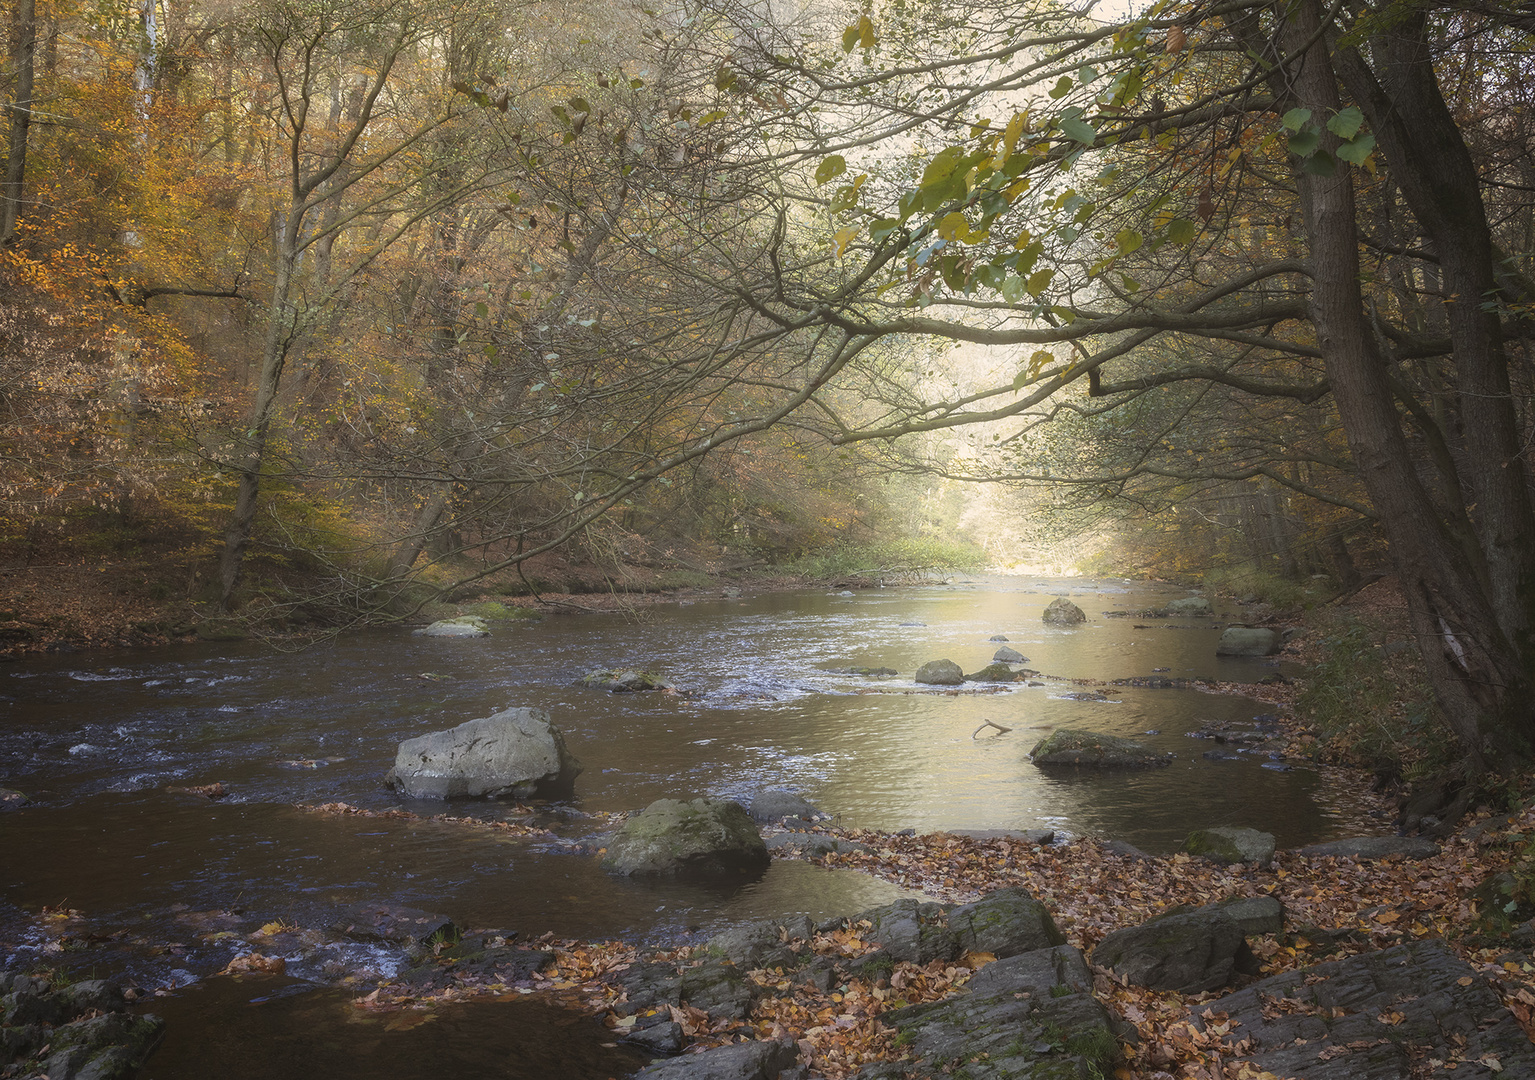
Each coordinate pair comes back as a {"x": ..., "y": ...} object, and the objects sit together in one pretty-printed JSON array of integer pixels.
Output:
[
  {"x": 1188, "y": 605},
  {"x": 940, "y": 673},
  {"x": 777, "y": 805},
  {"x": 625, "y": 681},
  {"x": 463, "y": 626},
  {"x": 515, "y": 752},
  {"x": 1068, "y": 746},
  {"x": 1248, "y": 641},
  {"x": 703, "y": 837},
  {"x": 1062, "y": 612}
]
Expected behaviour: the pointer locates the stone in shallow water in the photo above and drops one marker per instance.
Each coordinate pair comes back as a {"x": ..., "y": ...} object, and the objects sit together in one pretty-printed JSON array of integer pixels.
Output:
[
  {"x": 1069, "y": 746},
  {"x": 515, "y": 752},
  {"x": 704, "y": 836},
  {"x": 1062, "y": 612},
  {"x": 940, "y": 673}
]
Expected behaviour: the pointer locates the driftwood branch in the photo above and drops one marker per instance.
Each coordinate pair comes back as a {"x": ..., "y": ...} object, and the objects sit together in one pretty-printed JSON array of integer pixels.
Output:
[{"x": 986, "y": 724}]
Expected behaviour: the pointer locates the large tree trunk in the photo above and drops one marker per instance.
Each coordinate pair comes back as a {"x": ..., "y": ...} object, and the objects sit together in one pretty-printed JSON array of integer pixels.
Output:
[
  {"x": 1476, "y": 672},
  {"x": 23, "y": 63}
]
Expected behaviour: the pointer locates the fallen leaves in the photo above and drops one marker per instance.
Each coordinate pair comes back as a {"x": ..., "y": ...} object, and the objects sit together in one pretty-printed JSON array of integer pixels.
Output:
[{"x": 515, "y": 828}]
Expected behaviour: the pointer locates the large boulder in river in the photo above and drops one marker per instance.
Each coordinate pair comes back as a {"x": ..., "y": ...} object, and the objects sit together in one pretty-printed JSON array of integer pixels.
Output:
[
  {"x": 515, "y": 752},
  {"x": 707, "y": 837},
  {"x": 940, "y": 673},
  {"x": 1248, "y": 641},
  {"x": 1062, "y": 612},
  {"x": 1068, "y": 746},
  {"x": 1188, "y": 605}
]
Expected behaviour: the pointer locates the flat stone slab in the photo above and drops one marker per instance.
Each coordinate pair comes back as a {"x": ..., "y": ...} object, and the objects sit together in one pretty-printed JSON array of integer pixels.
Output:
[
  {"x": 1412, "y": 1010},
  {"x": 1029, "y": 1017},
  {"x": 1374, "y": 847},
  {"x": 737, "y": 1061}
]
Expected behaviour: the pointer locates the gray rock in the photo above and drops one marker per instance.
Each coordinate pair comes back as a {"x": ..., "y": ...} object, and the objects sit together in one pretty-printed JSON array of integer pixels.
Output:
[
  {"x": 1032, "y": 1017},
  {"x": 1189, "y": 605},
  {"x": 1062, "y": 612},
  {"x": 11, "y": 799},
  {"x": 777, "y": 805},
  {"x": 814, "y": 845},
  {"x": 940, "y": 673},
  {"x": 1125, "y": 849},
  {"x": 464, "y": 626},
  {"x": 763, "y": 943},
  {"x": 1248, "y": 641},
  {"x": 625, "y": 681},
  {"x": 669, "y": 837},
  {"x": 662, "y": 1038},
  {"x": 1379, "y": 1016},
  {"x": 1230, "y": 844},
  {"x": 1069, "y": 746},
  {"x": 1005, "y": 922},
  {"x": 108, "y": 1047},
  {"x": 997, "y": 637},
  {"x": 1374, "y": 847},
  {"x": 1189, "y": 952},
  {"x": 737, "y": 1061},
  {"x": 1254, "y": 914},
  {"x": 1005, "y": 655},
  {"x": 515, "y": 752}
]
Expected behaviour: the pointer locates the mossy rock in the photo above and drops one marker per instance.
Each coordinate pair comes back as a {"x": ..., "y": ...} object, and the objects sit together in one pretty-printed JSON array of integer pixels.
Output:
[
  {"x": 995, "y": 673},
  {"x": 1062, "y": 612},
  {"x": 1229, "y": 844},
  {"x": 940, "y": 673},
  {"x": 1068, "y": 746},
  {"x": 707, "y": 837}
]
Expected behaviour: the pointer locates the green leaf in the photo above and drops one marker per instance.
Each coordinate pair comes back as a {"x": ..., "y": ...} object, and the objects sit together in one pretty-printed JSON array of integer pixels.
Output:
[
  {"x": 1038, "y": 282},
  {"x": 1062, "y": 87},
  {"x": 941, "y": 167},
  {"x": 1080, "y": 130},
  {"x": 1296, "y": 119},
  {"x": 1320, "y": 164},
  {"x": 1012, "y": 289},
  {"x": 724, "y": 78},
  {"x": 1128, "y": 240},
  {"x": 1182, "y": 231},
  {"x": 1356, "y": 151},
  {"x": 482, "y": 309},
  {"x": 850, "y": 38},
  {"x": 830, "y": 169},
  {"x": 1347, "y": 123},
  {"x": 1306, "y": 143},
  {"x": 579, "y": 104}
]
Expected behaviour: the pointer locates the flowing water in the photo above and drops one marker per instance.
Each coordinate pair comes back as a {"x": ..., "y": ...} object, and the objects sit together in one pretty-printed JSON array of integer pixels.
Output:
[{"x": 99, "y": 741}]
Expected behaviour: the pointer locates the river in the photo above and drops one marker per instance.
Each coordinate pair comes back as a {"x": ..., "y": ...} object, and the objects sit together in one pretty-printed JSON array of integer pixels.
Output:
[{"x": 97, "y": 741}]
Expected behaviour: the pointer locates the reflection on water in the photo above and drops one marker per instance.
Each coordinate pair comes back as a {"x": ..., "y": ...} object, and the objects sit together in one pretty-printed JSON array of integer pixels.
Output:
[
  {"x": 97, "y": 741},
  {"x": 250, "y": 1030}
]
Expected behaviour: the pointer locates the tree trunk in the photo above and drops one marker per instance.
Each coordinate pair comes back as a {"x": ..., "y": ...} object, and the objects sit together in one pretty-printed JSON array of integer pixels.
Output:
[
  {"x": 279, "y": 338},
  {"x": 23, "y": 63},
  {"x": 1475, "y": 673}
]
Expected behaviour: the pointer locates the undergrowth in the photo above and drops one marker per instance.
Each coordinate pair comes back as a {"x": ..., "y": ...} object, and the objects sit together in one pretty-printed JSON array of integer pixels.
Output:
[
  {"x": 892, "y": 559},
  {"x": 1371, "y": 704}
]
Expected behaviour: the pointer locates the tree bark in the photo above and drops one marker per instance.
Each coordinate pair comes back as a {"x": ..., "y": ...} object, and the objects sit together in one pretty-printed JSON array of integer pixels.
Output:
[{"x": 23, "y": 62}]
